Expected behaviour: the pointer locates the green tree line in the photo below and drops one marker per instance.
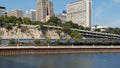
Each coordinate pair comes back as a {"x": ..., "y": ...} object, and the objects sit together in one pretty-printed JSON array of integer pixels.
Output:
[
  {"x": 8, "y": 22},
  {"x": 112, "y": 30},
  {"x": 4, "y": 20}
]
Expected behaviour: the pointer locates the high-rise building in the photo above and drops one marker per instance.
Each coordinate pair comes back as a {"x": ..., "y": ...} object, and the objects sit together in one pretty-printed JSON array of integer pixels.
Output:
[
  {"x": 31, "y": 14},
  {"x": 80, "y": 12},
  {"x": 50, "y": 8},
  {"x": 61, "y": 16},
  {"x": 44, "y": 9},
  {"x": 2, "y": 11},
  {"x": 16, "y": 13}
]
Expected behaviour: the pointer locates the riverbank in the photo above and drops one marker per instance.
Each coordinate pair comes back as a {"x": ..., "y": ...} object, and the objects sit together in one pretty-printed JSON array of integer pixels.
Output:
[{"x": 23, "y": 50}]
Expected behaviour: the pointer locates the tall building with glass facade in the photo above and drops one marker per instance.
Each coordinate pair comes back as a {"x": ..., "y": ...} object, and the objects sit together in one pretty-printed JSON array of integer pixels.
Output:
[
  {"x": 80, "y": 12},
  {"x": 2, "y": 11},
  {"x": 44, "y": 9},
  {"x": 31, "y": 14}
]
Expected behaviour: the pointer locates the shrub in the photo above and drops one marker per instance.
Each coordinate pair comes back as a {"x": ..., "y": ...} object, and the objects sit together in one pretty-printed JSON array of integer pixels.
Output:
[
  {"x": 37, "y": 41},
  {"x": 12, "y": 41}
]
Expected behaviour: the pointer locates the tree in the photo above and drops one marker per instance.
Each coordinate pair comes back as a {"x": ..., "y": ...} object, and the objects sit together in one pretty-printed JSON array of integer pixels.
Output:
[
  {"x": 87, "y": 28},
  {"x": 1, "y": 24},
  {"x": 67, "y": 27},
  {"x": 98, "y": 30},
  {"x": 85, "y": 42},
  {"x": 13, "y": 19},
  {"x": 27, "y": 21},
  {"x": 69, "y": 23},
  {"x": 75, "y": 35},
  {"x": 76, "y": 40},
  {"x": 39, "y": 23},
  {"x": 6, "y": 19},
  {"x": 18, "y": 21},
  {"x": 81, "y": 27},
  {"x": 58, "y": 41},
  {"x": 9, "y": 26},
  {"x": 36, "y": 41},
  {"x": 112, "y": 30},
  {"x": 75, "y": 26},
  {"x": 48, "y": 41},
  {"x": 54, "y": 21},
  {"x": 114, "y": 42},
  {"x": 67, "y": 41},
  {"x": 12, "y": 41},
  {"x": 19, "y": 25}
]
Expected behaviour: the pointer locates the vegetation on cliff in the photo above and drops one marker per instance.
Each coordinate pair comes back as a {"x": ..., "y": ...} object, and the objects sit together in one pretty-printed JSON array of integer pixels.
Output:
[{"x": 9, "y": 22}]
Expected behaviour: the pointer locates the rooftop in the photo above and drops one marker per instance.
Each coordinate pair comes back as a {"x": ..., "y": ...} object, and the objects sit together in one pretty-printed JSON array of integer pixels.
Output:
[{"x": 1, "y": 7}]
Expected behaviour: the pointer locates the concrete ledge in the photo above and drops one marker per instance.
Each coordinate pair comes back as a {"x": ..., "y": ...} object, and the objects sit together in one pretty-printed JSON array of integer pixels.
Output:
[
  {"x": 49, "y": 47},
  {"x": 24, "y": 50}
]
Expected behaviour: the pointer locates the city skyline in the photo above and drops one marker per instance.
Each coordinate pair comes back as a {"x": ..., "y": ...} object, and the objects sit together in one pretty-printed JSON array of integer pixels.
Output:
[
  {"x": 31, "y": 14},
  {"x": 105, "y": 12}
]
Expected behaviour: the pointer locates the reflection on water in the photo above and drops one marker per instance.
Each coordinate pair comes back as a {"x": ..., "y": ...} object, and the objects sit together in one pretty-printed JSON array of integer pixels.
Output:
[{"x": 104, "y": 60}]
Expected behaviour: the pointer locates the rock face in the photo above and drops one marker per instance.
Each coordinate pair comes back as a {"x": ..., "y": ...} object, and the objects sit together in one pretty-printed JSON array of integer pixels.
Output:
[
  {"x": 28, "y": 33},
  {"x": 1, "y": 32}
]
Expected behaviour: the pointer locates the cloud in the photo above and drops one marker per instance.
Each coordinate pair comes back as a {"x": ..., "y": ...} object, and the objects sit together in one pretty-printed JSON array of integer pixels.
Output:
[{"x": 117, "y": 1}]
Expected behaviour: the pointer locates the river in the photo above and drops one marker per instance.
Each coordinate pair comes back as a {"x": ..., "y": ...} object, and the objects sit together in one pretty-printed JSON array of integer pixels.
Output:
[{"x": 81, "y": 60}]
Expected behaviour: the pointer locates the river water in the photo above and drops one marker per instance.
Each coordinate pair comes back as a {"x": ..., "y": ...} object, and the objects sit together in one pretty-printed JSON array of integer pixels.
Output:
[{"x": 87, "y": 60}]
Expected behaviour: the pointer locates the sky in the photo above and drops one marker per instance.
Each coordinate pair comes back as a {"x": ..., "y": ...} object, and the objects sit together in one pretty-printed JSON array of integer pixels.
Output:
[{"x": 104, "y": 12}]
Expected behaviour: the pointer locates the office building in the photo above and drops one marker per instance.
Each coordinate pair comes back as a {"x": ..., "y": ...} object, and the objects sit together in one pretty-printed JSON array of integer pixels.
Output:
[
  {"x": 80, "y": 12},
  {"x": 31, "y": 14},
  {"x": 50, "y": 8},
  {"x": 2, "y": 11},
  {"x": 44, "y": 10},
  {"x": 16, "y": 13},
  {"x": 62, "y": 17}
]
